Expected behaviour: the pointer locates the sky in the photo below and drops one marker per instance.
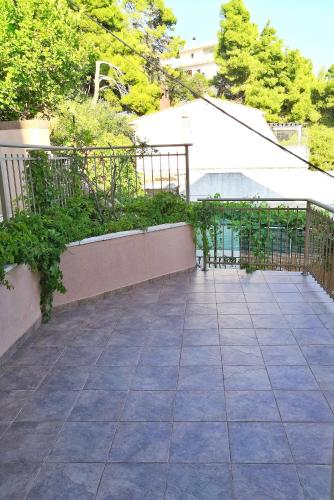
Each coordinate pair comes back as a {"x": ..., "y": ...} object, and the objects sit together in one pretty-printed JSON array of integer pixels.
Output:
[{"x": 304, "y": 24}]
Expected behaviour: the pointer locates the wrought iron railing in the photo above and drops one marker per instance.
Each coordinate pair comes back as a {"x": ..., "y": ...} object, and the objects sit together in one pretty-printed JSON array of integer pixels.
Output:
[
  {"x": 108, "y": 172},
  {"x": 270, "y": 233}
]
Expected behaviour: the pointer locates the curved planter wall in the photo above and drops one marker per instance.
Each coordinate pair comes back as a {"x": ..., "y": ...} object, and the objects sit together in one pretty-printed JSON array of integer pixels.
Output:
[{"x": 93, "y": 267}]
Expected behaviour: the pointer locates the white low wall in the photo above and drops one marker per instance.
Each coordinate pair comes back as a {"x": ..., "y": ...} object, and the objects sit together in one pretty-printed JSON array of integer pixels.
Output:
[{"x": 95, "y": 266}]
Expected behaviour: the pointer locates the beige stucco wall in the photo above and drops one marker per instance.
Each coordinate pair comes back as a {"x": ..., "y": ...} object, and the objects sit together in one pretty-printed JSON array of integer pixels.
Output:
[
  {"x": 34, "y": 132},
  {"x": 19, "y": 306},
  {"x": 95, "y": 266}
]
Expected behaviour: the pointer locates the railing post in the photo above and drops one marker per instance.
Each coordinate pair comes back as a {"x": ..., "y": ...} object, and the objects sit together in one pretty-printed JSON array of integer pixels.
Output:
[
  {"x": 187, "y": 173},
  {"x": 307, "y": 239},
  {"x": 3, "y": 199}
]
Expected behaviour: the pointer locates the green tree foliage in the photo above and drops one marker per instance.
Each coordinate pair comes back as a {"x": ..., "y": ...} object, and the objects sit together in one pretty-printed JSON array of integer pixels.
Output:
[
  {"x": 265, "y": 88},
  {"x": 321, "y": 144},
  {"x": 83, "y": 124},
  {"x": 324, "y": 96},
  {"x": 257, "y": 69},
  {"x": 145, "y": 25},
  {"x": 197, "y": 82},
  {"x": 42, "y": 57},
  {"x": 235, "y": 52}
]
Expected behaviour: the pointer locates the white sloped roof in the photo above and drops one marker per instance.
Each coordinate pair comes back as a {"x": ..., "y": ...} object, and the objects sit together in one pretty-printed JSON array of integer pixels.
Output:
[{"x": 219, "y": 143}]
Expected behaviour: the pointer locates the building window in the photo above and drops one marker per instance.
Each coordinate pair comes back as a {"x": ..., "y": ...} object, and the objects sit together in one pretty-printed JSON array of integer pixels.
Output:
[{"x": 192, "y": 56}]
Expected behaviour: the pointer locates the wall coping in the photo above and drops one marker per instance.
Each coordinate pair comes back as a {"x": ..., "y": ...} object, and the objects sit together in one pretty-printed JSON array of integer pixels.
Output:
[
  {"x": 113, "y": 236},
  {"x": 124, "y": 234},
  {"x": 23, "y": 124}
]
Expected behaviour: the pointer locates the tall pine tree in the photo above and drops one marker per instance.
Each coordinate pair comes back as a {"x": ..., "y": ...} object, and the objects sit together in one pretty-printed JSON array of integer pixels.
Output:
[{"x": 235, "y": 51}]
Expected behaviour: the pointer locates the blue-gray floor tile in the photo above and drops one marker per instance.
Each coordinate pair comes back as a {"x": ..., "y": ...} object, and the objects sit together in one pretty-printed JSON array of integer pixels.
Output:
[
  {"x": 199, "y": 442},
  {"x": 22, "y": 377},
  {"x": 266, "y": 482},
  {"x": 232, "y": 308},
  {"x": 161, "y": 339},
  {"x": 16, "y": 479},
  {"x": 201, "y": 355},
  {"x": 238, "y": 336},
  {"x": 69, "y": 378},
  {"x": 292, "y": 378},
  {"x": 303, "y": 321},
  {"x": 28, "y": 441},
  {"x": 316, "y": 481},
  {"x": 327, "y": 319},
  {"x": 251, "y": 406},
  {"x": 149, "y": 406},
  {"x": 329, "y": 395},
  {"x": 259, "y": 443},
  {"x": 141, "y": 442},
  {"x": 203, "y": 337},
  {"x": 222, "y": 298},
  {"x": 120, "y": 356},
  {"x": 296, "y": 308},
  {"x": 69, "y": 481},
  {"x": 235, "y": 321},
  {"x": 259, "y": 297},
  {"x": 311, "y": 443},
  {"x": 36, "y": 356},
  {"x": 93, "y": 338},
  {"x": 288, "y": 298},
  {"x": 11, "y": 403},
  {"x": 283, "y": 287},
  {"x": 275, "y": 336},
  {"x": 129, "y": 338},
  {"x": 199, "y": 482},
  {"x": 160, "y": 356},
  {"x": 161, "y": 378},
  {"x": 264, "y": 308},
  {"x": 269, "y": 321},
  {"x": 319, "y": 354},
  {"x": 133, "y": 481},
  {"x": 83, "y": 442},
  {"x": 200, "y": 406},
  {"x": 324, "y": 375},
  {"x": 283, "y": 355},
  {"x": 201, "y": 309},
  {"x": 110, "y": 378},
  {"x": 303, "y": 406},
  {"x": 241, "y": 355},
  {"x": 309, "y": 336},
  {"x": 97, "y": 405},
  {"x": 79, "y": 356},
  {"x": 48, "y": 405},
  {"x": 200, "y": 321},
  {"x": 200, "y": 377},
  {"x": 239, "y": 378}
]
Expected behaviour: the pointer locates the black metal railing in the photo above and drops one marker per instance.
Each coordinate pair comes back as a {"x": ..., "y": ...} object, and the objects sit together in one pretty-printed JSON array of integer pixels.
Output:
[
  {"x": 30, "y": 174},
  {"x": 270, "y": 233}
]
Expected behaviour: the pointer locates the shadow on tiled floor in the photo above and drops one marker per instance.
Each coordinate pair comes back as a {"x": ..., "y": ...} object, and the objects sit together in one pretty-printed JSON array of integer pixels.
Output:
[{"x": 216, "y": 385}]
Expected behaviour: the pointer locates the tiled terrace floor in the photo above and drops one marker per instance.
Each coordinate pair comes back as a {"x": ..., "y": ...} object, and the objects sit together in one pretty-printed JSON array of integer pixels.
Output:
[{"x": 198, "y": 386}]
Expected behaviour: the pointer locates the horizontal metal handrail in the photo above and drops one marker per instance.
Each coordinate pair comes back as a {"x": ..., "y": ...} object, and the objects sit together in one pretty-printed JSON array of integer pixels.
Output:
[
  {"x": 34, "y": 147},
  {"x": 304, "y": 200}
]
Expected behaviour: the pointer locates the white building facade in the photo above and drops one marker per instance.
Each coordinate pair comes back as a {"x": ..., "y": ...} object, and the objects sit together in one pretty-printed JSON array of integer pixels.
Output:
[
  {"x": 196, "y": 58},
  {"x": 229, "y": 159}
]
